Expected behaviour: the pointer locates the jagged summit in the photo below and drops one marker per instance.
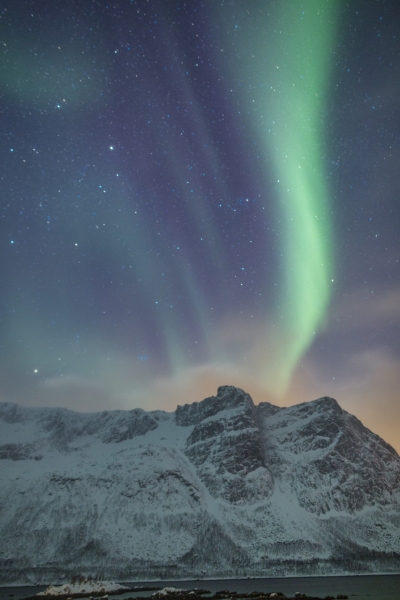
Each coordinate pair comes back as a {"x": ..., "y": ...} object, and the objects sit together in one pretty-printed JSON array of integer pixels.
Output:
[
  {"x": 216, "y": 486},
  {"x": 324, "y": 401},
  {"x": 228, "y": 397}
]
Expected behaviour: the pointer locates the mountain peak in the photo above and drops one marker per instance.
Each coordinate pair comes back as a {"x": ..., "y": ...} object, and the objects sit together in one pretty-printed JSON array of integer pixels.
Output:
[
  {"x": 228, "y": 397},
  {"x": 326, "y": 401}
]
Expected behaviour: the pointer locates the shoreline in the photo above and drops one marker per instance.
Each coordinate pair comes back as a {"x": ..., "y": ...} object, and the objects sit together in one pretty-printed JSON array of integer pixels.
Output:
[{"x": 282, "y": 577}]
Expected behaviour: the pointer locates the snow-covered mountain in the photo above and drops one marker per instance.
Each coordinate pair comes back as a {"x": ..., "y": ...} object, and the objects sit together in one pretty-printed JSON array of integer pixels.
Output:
[{"x": 218, "y": 488}]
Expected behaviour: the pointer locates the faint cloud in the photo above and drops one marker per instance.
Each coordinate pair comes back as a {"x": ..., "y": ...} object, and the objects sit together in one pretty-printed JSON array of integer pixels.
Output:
[
  {"x": 360, "y": 309},
  {"x": 74, "y": 392},
  {"x": 244, "y": 354},
  {"x": 374, "y": 398},
  {"x": 370, "y": 392}
]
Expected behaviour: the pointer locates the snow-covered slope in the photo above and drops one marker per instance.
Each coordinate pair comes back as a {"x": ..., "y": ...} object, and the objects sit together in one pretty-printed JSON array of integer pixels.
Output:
[{"x": 220, "y": 487}]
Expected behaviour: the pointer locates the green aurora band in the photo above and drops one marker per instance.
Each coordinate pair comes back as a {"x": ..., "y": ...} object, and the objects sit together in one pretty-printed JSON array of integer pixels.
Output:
[
  {"x": 302, "y": 58},
  {"x": 292, "y": 63}
]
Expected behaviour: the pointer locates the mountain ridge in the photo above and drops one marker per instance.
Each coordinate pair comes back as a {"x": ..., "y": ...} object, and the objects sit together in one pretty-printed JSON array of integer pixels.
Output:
[{"x": 219, "y": 486}]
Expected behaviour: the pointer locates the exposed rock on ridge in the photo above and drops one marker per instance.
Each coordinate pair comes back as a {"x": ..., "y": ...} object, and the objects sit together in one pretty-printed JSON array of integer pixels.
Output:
[
  {"x": 331, "y": 460},
  {"x": 226, "y": 447}
]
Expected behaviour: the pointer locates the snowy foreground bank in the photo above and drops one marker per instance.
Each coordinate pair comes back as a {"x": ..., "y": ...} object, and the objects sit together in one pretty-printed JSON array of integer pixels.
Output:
[
  {"x": 104, "y": 588},
  {"x": 82, "y": 588},
  {"x": 85, "y": 587}
]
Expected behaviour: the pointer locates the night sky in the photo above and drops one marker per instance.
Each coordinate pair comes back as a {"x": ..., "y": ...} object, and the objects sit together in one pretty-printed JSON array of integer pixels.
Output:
[{"x": 196, "y": 194}]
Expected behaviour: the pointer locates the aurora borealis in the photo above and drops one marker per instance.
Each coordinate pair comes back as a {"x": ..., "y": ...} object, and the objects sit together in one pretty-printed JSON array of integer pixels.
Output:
[
  {"x": 298, "y": 69},
  {"x": 199, "y": 194}
]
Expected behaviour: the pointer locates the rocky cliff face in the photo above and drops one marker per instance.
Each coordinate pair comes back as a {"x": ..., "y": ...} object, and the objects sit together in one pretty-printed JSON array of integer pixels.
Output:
[
  {"x": 226, "y": 448},
  {"x": 331, "y": 461},
  {"x": 220, "y": 487}
]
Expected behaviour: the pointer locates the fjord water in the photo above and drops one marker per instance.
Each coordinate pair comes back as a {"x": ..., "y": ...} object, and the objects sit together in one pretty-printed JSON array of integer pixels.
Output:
[{"x": 359, "y": 587}]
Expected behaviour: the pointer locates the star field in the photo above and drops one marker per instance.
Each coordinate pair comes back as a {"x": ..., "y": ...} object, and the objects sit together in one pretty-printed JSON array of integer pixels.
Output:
[{"x": 197, "y": 194}]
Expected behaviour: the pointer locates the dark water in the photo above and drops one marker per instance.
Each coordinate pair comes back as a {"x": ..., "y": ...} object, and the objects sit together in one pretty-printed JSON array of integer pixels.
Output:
[{"x": 362, "y": 587}]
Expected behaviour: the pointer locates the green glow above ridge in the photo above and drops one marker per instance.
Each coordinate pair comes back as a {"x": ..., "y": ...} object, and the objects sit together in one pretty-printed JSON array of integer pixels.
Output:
[
  {"x": 295, "y": 145},
  {"x": 292, "y": 62}
]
